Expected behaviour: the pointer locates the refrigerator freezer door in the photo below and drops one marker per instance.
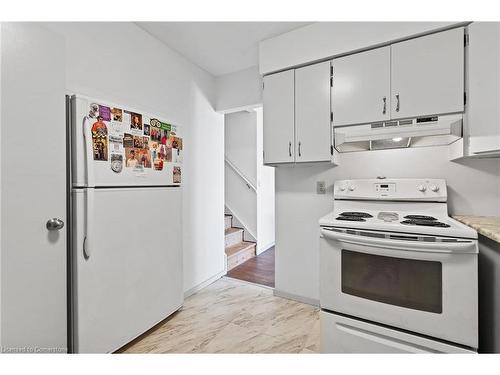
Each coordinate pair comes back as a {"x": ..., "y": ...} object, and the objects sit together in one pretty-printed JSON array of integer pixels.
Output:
[
  {"x": 109, "y": 150},
  {"x": 130, "y": 278}
]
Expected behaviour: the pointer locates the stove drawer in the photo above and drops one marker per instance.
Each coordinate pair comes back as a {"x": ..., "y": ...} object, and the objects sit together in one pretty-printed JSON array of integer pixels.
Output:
[{"x": 340, "y": 334}]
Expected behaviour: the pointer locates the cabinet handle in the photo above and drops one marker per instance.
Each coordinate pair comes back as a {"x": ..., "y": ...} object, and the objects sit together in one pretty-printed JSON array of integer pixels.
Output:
[
  {"x": 397, "y": 102},
  {"x": 385, "y": 105},
  {"x": 299, "y": 150},
  {"x": 290, "y": 148}
]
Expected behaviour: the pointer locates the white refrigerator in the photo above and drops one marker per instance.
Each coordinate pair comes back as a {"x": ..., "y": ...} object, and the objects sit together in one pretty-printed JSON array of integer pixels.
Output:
[{"x": 126, "y": 235}]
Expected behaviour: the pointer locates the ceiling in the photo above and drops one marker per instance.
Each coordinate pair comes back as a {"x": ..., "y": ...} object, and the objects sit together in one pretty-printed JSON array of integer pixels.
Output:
[{"x": 218, "y": 47}]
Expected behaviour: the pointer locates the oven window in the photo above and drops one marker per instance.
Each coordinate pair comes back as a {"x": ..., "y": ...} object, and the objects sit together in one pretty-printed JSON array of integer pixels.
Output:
[{"x": 415, "y": 284}]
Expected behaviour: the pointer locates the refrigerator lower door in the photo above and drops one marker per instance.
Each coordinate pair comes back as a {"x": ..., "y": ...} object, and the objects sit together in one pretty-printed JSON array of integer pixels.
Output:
[
  {"x": 127, "y": 272},
  {"x": 340, "y": 334}
]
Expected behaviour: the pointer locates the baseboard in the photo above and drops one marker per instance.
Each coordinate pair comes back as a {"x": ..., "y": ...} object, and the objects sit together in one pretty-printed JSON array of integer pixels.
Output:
[
  {"x": 265, "y": 248},
  {"x": 247, "y": 282},
  {"x": 204, "y": 284},
  {"x": 295, "y": 297}
]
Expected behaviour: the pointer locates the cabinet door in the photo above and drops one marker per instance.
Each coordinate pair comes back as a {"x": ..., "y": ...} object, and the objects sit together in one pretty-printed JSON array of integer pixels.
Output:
[
  {"x": 427, "y": 75},
  {"x": 312, "y": 113},
  {"x": 361, "y": 87},
  {"x": 483, "y": 108},
  {"x": 279, "y": 119}
]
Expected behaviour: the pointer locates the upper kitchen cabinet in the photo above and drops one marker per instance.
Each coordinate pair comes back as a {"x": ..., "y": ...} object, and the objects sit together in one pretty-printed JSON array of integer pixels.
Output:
[
  {"x": 427, "y": 75},
  {"x": 279, "y": 117},
  {"x": 312, "y": 113},
  {"x": 361, "y": 87},
  {"x": 483, "y": 81}
]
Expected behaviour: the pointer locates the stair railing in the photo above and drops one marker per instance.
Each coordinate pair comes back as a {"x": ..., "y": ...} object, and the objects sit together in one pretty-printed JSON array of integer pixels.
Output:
[{"x": 249, "y": 183}]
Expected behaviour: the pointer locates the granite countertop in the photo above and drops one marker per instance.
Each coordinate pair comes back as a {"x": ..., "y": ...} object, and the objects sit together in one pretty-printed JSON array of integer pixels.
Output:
[{"x": 488, "y": 226}]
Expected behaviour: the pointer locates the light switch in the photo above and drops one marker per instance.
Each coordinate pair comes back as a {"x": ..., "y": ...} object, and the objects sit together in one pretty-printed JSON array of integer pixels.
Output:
[{"x": 320, "y": 187}]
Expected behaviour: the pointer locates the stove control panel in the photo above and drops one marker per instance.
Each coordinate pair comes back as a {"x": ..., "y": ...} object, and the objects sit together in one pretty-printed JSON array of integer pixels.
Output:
[
  {"x": 426, "y": 190},
  {"x": 385, "y": 188}
]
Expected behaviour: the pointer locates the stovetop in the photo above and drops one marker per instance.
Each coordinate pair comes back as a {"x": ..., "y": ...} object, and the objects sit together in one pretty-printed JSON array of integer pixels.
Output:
[
  {"x": 421, "y": 220},
  {"x": 404, "y": 217},
  {"x": 426, "y": 223},
  {"x": 414, "y": 206}
]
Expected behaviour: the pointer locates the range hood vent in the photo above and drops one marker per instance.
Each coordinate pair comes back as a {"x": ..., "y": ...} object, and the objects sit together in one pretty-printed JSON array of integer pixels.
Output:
[{"x": 414, "y": 132}]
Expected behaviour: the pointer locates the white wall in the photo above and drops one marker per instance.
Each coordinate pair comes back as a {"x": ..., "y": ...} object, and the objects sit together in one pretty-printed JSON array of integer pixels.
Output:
[
  {"x": 326, "y": 39},
  {"x": 473, "y": 188},
  {"x": 239, "y": 90},
  {"x": 240, "y": 138},
  {"x": 240, "y": 142},
  {"x": 265, "y": 193},
  {"x": 122, "y": 63}
]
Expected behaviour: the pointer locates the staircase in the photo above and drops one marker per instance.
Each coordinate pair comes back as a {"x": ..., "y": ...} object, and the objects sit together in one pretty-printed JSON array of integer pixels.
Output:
[{"x": 237, "y": 250}]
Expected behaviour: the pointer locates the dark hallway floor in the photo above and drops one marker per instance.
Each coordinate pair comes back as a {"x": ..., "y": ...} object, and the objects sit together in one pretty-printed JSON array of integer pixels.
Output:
[{"x": 258, "y": 270}]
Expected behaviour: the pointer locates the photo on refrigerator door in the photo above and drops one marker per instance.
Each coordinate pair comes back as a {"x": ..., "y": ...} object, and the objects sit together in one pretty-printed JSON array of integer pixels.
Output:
[
  {"x": 128, "y": 140},
  {"x": 135, "y": 121},
  {"x": 131, "y": 158},
  {"x": 105, "y": 112},
  {"x": 159, "y": 131},
  {"x": 115, "y": 141},
  {"x": 153, "y": 147},
  {"x": 93, "y": 110},
  {"x": 176, "y": 149},
  {"x": 165, "y": 153},
  {"x": 100, "y": 140},
  {"x": 115, "y": 129},
  {"x": 115, "y": 147},
  {"x": 177, "y": 175},
  {"x": 116, "y": 162},
  {"x": 177, "y": 143},
  {"x": 157, "y": 163},
  {"x": 176, "y": 155},
  {"x": 116, "y": 114},
  {"x": 137, "y": 157},
  {"x": 144, "y": 157},
  {"x": 138, "y": 141}
]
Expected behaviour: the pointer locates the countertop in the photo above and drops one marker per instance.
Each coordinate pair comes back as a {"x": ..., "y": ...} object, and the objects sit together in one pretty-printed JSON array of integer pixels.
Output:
[{"x": 488, "y": 226}]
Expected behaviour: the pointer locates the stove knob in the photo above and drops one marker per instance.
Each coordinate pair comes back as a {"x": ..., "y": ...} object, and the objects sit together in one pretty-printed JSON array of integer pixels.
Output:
[
  {"x": 421, "y": 188},
  {"x": 435, "y": 188},
  {"x": 351, "y": 188},
  {"x": 342, "y": 188}
]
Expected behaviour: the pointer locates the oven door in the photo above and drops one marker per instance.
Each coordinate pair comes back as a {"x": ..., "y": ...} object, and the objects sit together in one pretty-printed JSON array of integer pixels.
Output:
[{"x": 402, "y": 281}]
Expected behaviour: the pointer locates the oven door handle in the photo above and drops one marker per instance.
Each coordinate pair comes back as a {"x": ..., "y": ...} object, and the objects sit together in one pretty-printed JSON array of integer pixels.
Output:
[{"x": 464, "y": 246}]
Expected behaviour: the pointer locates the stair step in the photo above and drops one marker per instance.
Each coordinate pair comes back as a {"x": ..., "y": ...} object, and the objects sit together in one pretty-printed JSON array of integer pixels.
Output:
[
  {"x": 239, "y": 253},
  {"x": 232, "y": 236},
  {"x": 243, "y": 245}
]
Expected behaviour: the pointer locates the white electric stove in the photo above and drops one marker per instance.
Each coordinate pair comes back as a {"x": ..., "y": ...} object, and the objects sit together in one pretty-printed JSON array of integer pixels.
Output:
[{"x": 397, "y": 274}]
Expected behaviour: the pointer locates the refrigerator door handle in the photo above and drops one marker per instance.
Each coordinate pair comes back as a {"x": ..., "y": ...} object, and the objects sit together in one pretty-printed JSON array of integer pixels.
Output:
[
  {"x": 89, "y": 216},
  {"x": 89, "y": 151},
  {"x": 86, "y": 254}
]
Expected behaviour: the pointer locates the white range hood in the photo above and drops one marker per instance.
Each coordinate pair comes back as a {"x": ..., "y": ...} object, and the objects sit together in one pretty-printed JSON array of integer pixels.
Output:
[{"x": 414, "y": 132}]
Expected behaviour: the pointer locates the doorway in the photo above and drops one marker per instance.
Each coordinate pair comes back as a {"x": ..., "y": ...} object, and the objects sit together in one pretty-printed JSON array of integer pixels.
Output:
[{"x": 249, "y": 200}]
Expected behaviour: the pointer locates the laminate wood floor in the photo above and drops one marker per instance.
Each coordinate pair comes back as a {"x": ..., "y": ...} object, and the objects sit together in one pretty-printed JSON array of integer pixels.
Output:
[
  {"x": 258, "y": 270},
  {"x": 231, "y": 316}
]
